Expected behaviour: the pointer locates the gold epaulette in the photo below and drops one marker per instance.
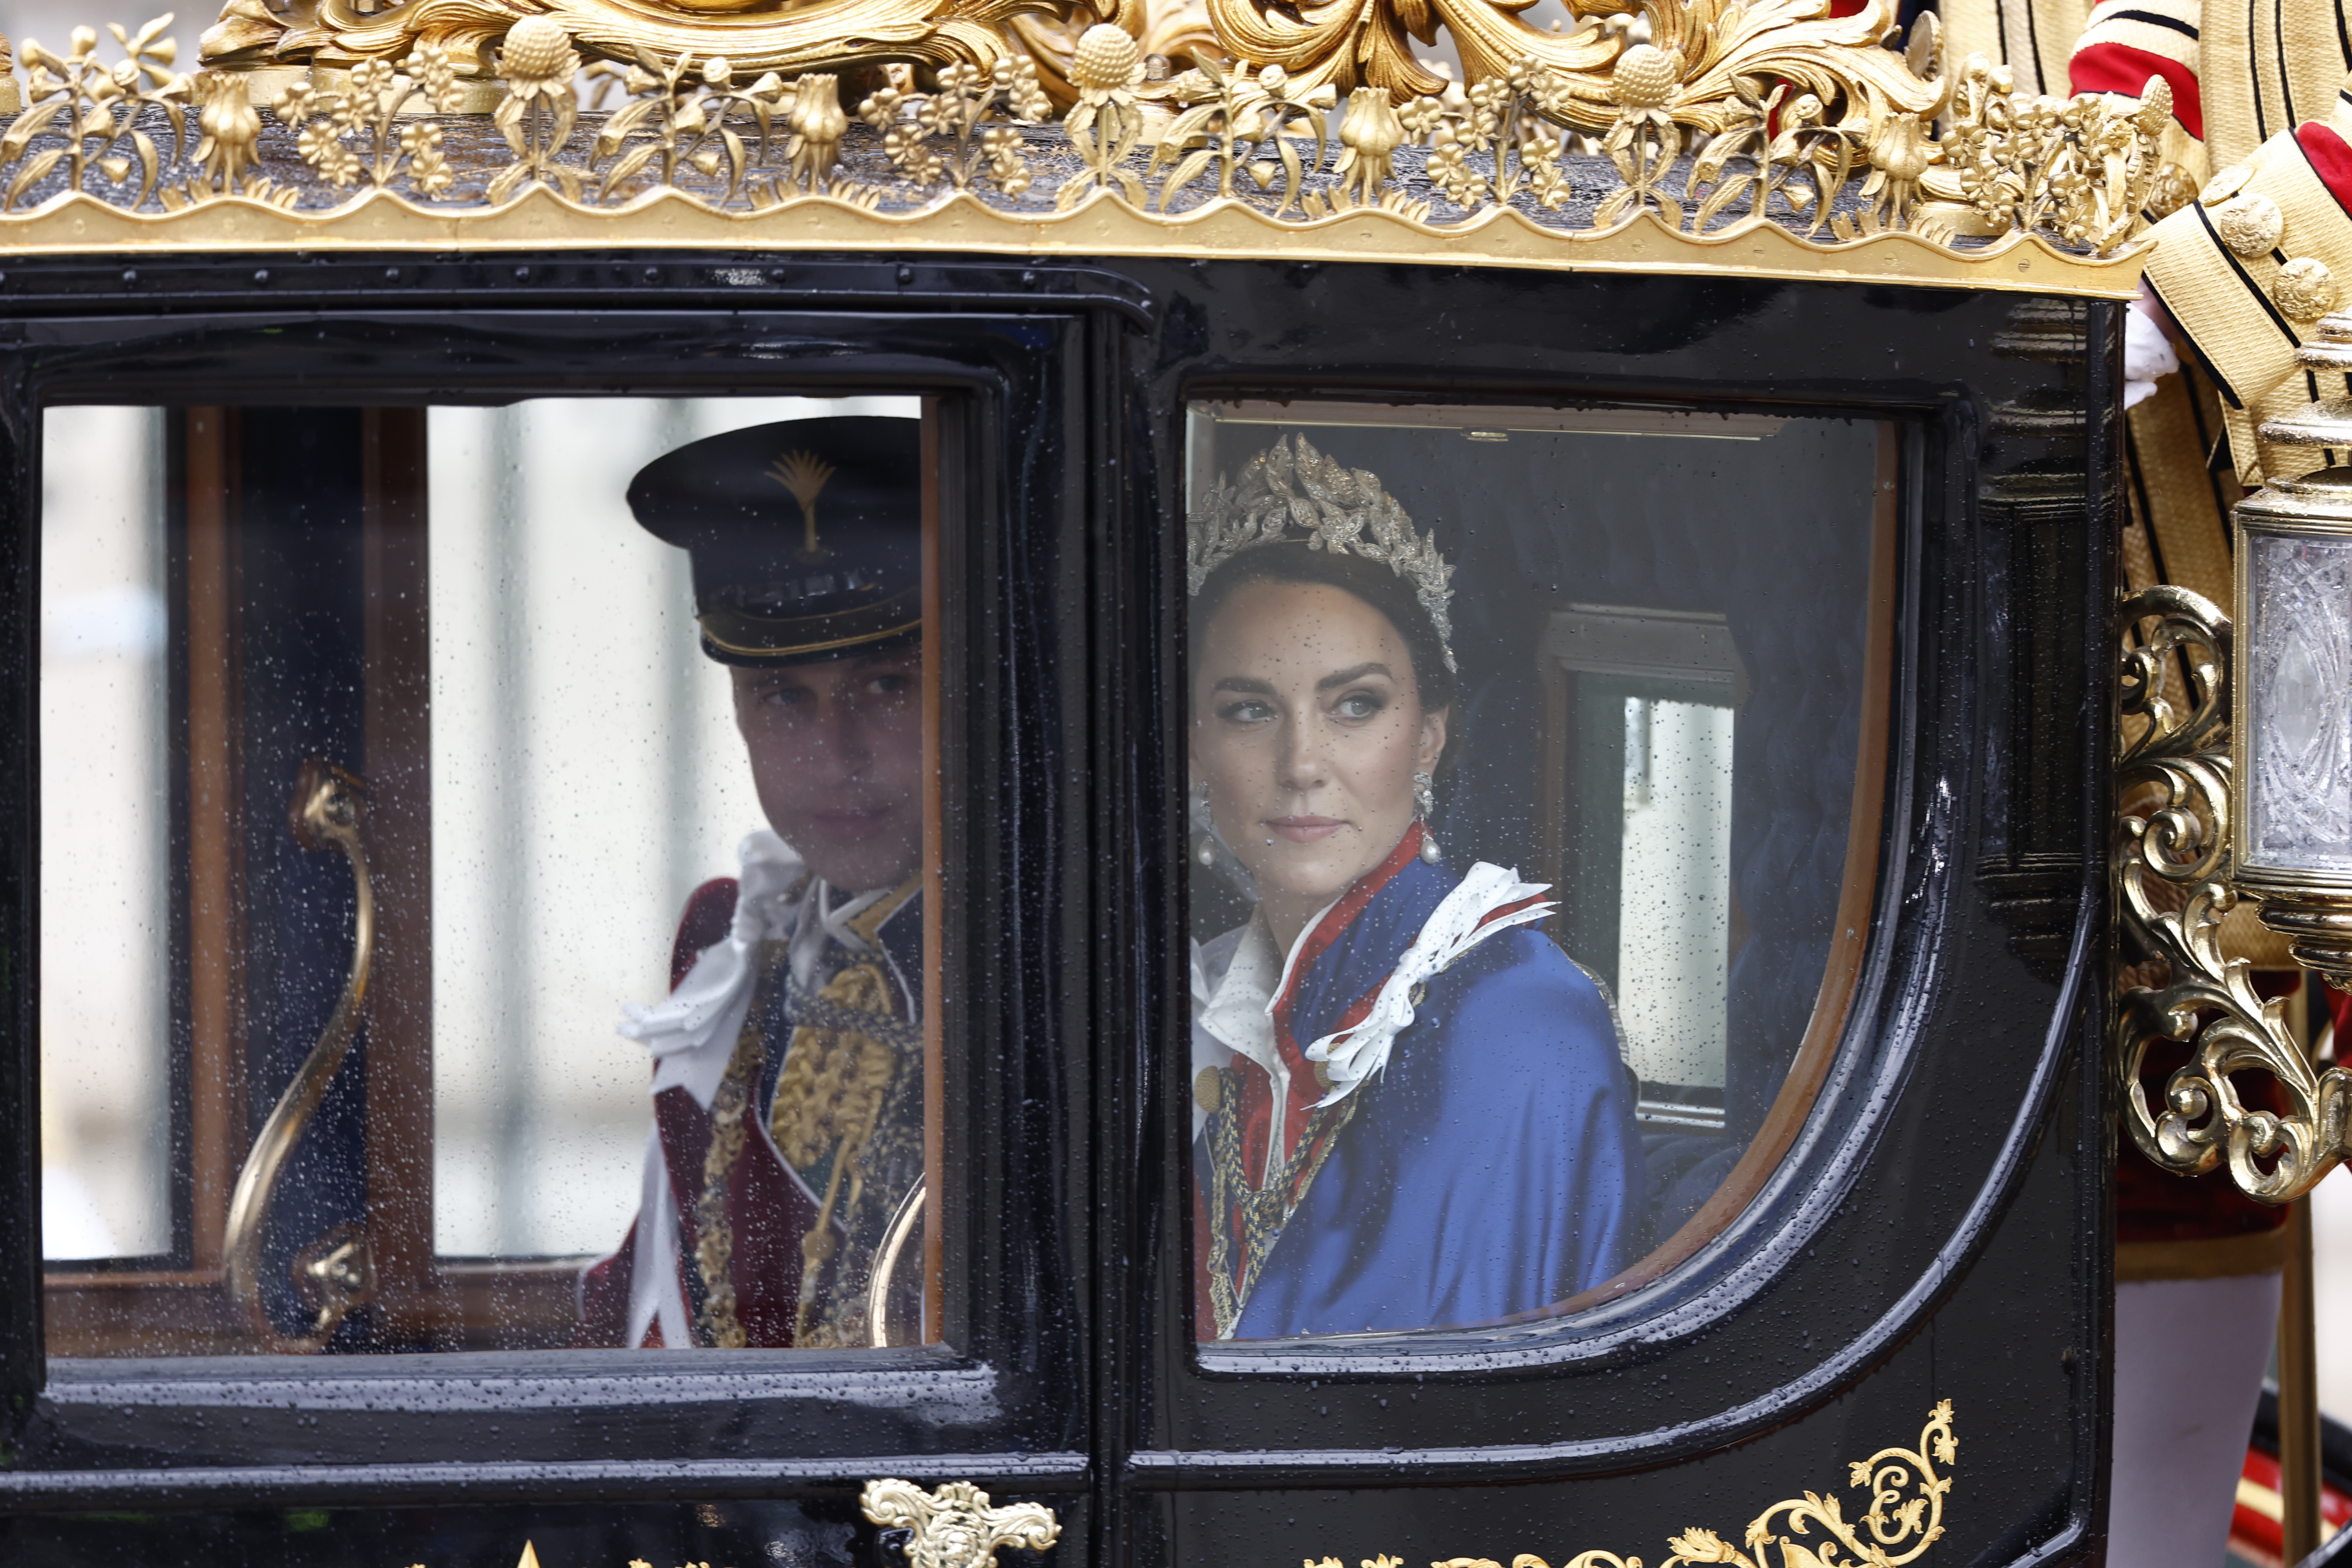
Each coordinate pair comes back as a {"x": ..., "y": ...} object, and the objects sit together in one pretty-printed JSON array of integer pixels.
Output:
[{"x": 2246, "y": 271}]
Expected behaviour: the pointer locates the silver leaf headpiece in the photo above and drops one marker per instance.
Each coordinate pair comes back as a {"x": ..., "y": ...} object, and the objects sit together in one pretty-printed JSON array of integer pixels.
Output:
[{"x": 1334, "y": 507}]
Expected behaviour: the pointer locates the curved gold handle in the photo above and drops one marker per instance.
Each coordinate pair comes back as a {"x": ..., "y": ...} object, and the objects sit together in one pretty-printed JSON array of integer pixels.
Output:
[
  {"x": 954, "y": 1526},
  {"x": 904, "y": 1222},
  {"x": 335, "y": 1275}
]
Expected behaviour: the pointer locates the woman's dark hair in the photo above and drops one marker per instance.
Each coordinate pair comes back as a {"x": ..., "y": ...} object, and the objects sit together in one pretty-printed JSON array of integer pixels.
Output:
[{"x": 1373, "y": 582}]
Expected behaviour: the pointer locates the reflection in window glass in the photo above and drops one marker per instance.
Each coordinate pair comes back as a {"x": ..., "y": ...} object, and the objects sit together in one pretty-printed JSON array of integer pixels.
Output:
[
  {"x": 571, "y": 705},
  {"x": 1674, "y": 909},
  {"x": 105, "y": 1083},
  {"x": 1524, "y": 748},
  {"x": 604, "y": 726}
]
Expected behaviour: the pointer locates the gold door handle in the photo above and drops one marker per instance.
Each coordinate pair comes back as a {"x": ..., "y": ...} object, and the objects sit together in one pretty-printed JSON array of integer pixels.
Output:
[
  {"x": 880, "y": 1331},
  {"x": 336, "y": 1274},
  {"x": 954, "y": 1526}
]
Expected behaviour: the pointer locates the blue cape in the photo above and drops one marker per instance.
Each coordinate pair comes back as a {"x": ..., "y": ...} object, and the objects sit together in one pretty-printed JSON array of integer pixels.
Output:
[{"x": 1493, "y": 1168}]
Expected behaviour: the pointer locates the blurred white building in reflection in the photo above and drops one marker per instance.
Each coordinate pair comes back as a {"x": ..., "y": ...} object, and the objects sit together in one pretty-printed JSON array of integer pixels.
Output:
[{"x": 105, "y": 813}]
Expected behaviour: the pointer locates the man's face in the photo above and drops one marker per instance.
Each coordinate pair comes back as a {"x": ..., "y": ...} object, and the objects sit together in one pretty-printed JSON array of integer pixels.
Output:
[{"x": 837, "y": 756}]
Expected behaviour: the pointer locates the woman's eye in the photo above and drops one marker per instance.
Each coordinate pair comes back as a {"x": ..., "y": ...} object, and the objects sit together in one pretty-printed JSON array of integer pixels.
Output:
[
  {"x": 1249, "y": 711},
  {"x": 1360, "y": 705}
]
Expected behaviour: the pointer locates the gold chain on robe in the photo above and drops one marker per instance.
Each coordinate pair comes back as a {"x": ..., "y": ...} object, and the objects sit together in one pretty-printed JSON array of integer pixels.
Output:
[
  {"x": 1265, "y": 1209},
  {"x": 834, "y": 1094}
]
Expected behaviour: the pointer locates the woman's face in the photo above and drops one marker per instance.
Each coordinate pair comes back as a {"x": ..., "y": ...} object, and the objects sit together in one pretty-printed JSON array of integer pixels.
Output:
[{"x": 1308, "y": 729}]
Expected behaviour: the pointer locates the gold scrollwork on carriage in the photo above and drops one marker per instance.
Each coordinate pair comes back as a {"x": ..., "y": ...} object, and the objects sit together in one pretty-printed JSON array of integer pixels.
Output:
[
  {"x": 2175, "y": 987},
  {"x": 1907, "y": 1488}
]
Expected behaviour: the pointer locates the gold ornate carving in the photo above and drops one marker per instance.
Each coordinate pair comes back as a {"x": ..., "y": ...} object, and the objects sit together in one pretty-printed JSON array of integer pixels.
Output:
[
  {"x": 2083, "y": 168},
  {"x": 326, "y": 124},
  {"x": 90, "y": 115},
  {"x": 822, "y": 37},
  {"x": 2172, "y": 868},
  {"x": 1905, "y": 1518},
  {"x": 1105, "y": 121},
  {"x": 1237, "y": 124},
  {"x": 335, "y": 1275},
  {"x": 967, "y": 130},
  {"x": 230, "y": 126},
  {"x": 955, "y": 1526},
  {"x": 537, "y": 113},
  {"x": 669, "y": 219},
  {"x": 1590, "y": 132},
  {"x": 676, "y": 123},
  {"x": 1714, "y": 43}
]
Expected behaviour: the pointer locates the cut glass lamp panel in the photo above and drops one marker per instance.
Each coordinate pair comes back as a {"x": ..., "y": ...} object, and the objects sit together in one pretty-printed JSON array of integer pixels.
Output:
[{"x": 2299, "y": 704}]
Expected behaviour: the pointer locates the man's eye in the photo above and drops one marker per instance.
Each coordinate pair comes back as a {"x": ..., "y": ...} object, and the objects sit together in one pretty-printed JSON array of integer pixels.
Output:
[
  {"x": 890, "y": 685},
  {"x": 783, "y": 697}
]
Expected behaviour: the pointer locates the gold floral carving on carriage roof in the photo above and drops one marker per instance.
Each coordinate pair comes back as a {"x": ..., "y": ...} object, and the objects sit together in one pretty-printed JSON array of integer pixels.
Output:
[
  {"x": 1905, "y": 1518},
  {"x": 1716, "y": 136},
  {"x": 758, "y": 36}
]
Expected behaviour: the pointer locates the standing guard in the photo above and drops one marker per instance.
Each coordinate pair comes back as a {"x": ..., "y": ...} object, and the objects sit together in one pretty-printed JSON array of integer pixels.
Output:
[{"x": 788, "y": 1061}]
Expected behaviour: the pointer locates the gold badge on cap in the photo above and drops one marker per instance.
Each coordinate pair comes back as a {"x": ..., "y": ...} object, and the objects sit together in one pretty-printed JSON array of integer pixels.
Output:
[{"x": 804, "y": 474}]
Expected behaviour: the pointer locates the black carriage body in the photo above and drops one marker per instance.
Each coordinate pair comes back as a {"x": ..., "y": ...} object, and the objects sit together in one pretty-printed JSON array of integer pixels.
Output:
[{"x": 1938, "y": 1231}]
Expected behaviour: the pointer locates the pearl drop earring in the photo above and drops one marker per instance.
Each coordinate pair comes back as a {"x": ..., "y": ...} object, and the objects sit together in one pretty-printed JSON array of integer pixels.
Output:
[
  {"x": 1205, "y": 843},
  {"x": 1424, "y": 801}
]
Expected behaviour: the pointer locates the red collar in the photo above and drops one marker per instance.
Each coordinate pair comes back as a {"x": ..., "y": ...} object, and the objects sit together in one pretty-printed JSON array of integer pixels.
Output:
[{"x": 1340, "y": 916}]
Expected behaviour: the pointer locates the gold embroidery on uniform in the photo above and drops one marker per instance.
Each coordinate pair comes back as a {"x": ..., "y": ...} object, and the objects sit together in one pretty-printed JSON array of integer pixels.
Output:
[
  {"x": 835, "y": 1091},
  {"x": 835, "y": 1085},
  {"x": 714, "y": 1234}
]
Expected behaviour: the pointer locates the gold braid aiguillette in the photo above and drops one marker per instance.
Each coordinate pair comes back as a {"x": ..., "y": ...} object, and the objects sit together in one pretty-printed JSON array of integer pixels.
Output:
[{"x": 836, "y": 1085}]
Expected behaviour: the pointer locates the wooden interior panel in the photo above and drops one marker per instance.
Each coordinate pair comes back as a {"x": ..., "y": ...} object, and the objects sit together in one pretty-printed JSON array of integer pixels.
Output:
[
  {"x": 399, "y": 770},
  {"x": 217, "y": 1134}
]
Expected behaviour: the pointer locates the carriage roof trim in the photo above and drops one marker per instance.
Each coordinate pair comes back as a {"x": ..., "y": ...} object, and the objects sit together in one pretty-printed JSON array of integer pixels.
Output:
[
  {"x": 541, "y": 221},
  {"x": 1747, "y": 137}
]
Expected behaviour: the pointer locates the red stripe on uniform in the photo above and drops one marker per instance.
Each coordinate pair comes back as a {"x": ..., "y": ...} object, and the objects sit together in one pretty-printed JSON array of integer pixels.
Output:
[
  {"x": 2331, "y": 160},
  {"x": 2120, "y": 68}
]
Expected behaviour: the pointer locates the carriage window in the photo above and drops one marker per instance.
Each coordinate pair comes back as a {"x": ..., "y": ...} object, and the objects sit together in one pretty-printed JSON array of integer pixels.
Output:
[
  {"x": 485, "y": 893},
  {"x": 1535, "y": 761}
]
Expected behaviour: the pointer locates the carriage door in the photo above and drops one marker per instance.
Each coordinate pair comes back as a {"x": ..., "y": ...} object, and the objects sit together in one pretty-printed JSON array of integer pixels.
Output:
[
  {"x": 555, "y": 1023},
  {"x": 1619, "y": 1093}
]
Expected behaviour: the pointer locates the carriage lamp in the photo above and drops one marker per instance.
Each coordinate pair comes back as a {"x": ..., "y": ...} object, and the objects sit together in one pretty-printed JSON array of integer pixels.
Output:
[
  {"x": 2292, "y": 756},
  {"x": 2291, "y": 814}
]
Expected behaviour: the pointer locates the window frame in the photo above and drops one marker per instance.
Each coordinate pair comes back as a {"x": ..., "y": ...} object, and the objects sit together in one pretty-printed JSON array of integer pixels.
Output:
[
  {"x": 1012, "y": 592},
  {"x": 1550, "y": 1400}
]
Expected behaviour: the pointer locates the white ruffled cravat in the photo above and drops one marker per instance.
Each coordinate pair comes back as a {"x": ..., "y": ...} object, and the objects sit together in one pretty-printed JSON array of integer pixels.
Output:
[{"x": 691, "y": 1035}]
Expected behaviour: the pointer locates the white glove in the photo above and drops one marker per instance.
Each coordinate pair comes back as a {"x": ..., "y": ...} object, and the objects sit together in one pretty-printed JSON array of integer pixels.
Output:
[{"x": 2147, "y": 353}]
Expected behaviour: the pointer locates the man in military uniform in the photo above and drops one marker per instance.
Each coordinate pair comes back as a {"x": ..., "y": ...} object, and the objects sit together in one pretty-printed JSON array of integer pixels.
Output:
[{"x": 787, "y": 1146}]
